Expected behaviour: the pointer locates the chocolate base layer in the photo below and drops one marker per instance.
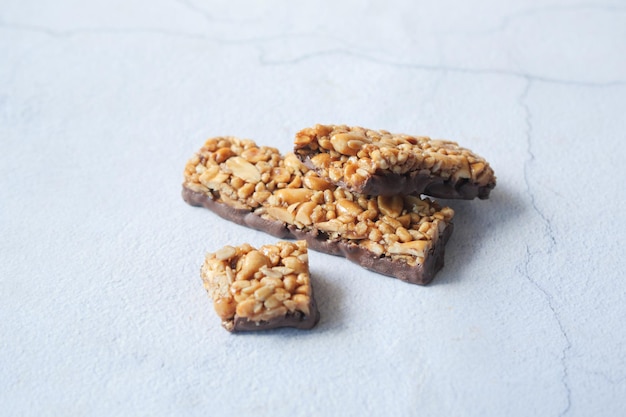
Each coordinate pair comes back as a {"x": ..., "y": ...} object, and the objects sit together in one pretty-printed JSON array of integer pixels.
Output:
[
  {"x": 415, "y": 183},
  {"x": 317, "y": 240},
  {"x": 421, "y": 274},
  {"x": 240, "y": 216},
  {"x": 296, "y": 320}
]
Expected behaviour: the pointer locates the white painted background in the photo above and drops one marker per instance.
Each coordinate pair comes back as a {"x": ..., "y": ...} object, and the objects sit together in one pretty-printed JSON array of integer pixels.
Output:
[{"x": 102, "y": 310}]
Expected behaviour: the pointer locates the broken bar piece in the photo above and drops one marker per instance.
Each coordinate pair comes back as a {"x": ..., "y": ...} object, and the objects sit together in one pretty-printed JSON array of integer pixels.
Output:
[
  {"x": 381, "y": 163},
  {"x": 399, "y": 236},
  {"x": 261, "y": 289}
]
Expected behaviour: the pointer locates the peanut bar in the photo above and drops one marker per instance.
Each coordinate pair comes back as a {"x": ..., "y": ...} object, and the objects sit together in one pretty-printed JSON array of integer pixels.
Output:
[
  {"x": 381, "y": 163},
  {"x": 260, "y": 289}
]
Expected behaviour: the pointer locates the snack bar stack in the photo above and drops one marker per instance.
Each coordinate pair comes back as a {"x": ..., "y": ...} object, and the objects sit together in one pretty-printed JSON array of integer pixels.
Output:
[
  {"x": 381, "y": 163},
  {"x": 260, "y": 289},
  {"x": 402, "y": 236}
]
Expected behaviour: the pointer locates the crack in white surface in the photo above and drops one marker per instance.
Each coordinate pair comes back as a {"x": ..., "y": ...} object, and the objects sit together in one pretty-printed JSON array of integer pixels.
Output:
[
  {"x": 444, "y": 68},
  {"x": 208, "y": 17},
  {"x": 195, "y": 9},
  {"x": 68, "y": 33},
  {"x": 530, "y": 160},
  {"x": 341, "y": 51},
  {"x": 124, "y": 31},
  {"x": 568, "y": 344},
  {"x": 549, "y": 233}
]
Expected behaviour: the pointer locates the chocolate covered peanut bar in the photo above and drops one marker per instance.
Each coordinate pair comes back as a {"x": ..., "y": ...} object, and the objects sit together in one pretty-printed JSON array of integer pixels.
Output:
[
  {"x": 381, "y": 163},
  {"x": 261, "y": 289},
  {"x": 401, "y": 235}
]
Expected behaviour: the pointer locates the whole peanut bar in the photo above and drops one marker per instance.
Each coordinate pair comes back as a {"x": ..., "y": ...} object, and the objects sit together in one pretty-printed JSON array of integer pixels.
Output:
[
  {"x": 400, "y": 236},
  {"x": 260, "y": 289},
  {"x": 381, "y": 163}
]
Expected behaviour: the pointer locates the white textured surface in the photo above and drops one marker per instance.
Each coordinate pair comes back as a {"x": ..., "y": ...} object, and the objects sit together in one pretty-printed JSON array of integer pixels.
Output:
[{"x": 102, "y": 310}]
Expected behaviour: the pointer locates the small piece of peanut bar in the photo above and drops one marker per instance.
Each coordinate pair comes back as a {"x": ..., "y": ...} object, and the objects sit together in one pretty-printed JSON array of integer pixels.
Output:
[
  {"x": 260, "y": 289},
  {"x": 381, "y": 163}
]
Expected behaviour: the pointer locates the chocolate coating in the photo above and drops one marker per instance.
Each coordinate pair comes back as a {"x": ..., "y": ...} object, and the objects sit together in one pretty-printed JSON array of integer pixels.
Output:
[{"x": 296, "y": 320}]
